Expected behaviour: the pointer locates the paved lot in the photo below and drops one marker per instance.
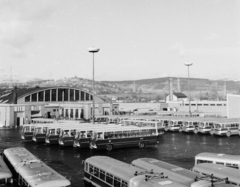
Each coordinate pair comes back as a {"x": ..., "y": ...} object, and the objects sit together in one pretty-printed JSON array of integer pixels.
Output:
[{"x": 175, "y": 148}]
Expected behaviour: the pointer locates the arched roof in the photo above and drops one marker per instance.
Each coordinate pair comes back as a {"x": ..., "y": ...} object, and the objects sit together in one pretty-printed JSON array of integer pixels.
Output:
[{"x": 7, "y": 95}]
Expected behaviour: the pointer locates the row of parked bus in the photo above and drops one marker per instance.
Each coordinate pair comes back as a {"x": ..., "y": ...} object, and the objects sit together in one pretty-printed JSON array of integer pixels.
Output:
[
  {"x": 150, "y": 172},
  {"x": 97, "y": 136},
  {"x": 19, "y": 167},
  {"x": 213, "y": 126}
]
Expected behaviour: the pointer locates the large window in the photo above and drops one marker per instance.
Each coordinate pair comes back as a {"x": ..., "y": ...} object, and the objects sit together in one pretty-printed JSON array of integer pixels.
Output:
[
  {"x": 87, "y": 97},
  {"x": 34, "y": 97},
  {"x": 60, "y": 94},
  {"x": 76, "y": 95},
  {"x": 82, "y": 96},
  {"x": 65, "y": 94},
  {"x": 71, "y": 95},
  {"x": 54, "y": 95},
  {"x": 40, "y": 96},
  {"x": 27, "y": 99},
  {"x": 47, "y": 95}
]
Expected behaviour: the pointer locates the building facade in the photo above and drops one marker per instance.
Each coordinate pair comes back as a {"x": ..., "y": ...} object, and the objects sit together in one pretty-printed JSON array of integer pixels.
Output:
[{"x": 18, "y": 106}]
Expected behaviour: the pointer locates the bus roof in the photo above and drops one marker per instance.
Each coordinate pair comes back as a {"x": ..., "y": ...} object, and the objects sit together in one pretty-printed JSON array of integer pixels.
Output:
[
  {"x": 218, "y": 157},
  {"x": 115, "y": 167},
  {"x": 219, "y": 171},
  {"x": 127, "y": 172},
  {"x": 174, "y": 172}
]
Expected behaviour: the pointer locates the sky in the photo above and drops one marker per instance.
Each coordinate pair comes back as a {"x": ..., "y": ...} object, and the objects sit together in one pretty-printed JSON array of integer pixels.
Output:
[{"x": 138, "y": 39}]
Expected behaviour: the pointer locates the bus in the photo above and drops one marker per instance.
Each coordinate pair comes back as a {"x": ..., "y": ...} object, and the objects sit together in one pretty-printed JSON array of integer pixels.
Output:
[
  {"x": 174, "y": 125},
  {"x": 116, "y": 138},
  {"x": 204, "y": 127},
  {"x": 189, "y": 125},
  {"x": 83, "y": 137},
  {"x": 227, "y": 128},
  {"x": 140, "y": 123},
  {"x": 29, "y": 171},
  {"x": 109, "y": 172},
  {"x": 68, "y": 136},
  {"x": 53, "y": 133},
  {"x": 5, "y": 173},
  {"x": 179, "y": 174},
  {"x": 218, "y": 173},
  {"x": 28, "y": 129},
  {"x": 232, "y": 161}
]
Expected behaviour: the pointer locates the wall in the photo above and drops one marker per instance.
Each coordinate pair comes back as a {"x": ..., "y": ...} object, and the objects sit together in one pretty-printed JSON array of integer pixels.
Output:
[{"x": 233, "y": 106}]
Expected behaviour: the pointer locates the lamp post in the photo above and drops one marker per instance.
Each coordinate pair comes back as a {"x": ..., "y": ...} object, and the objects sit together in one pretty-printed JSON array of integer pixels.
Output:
[
  {"x": 189, "y": 64},
  {"x": 93, "y": 50}
]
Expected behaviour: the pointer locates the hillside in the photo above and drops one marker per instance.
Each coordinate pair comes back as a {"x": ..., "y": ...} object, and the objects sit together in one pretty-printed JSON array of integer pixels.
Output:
[{"x": 200, "y": 88}]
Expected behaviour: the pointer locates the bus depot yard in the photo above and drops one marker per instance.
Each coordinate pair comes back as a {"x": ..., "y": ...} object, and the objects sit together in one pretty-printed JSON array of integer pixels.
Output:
[{"x": 64, "y": 147}]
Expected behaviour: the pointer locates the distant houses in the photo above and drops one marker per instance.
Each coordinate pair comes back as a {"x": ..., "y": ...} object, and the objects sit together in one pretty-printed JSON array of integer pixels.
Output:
[{"x": 177, "y": 96}]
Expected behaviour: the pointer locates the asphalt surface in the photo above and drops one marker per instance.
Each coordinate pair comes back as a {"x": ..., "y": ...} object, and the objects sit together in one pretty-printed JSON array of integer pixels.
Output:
[{"x": 175, "y": 148}]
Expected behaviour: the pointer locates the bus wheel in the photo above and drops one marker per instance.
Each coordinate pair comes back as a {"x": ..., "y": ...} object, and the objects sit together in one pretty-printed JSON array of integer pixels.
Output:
[
  {"x": 212, "y": 132},
  {"x": 141, "y": 145},
  {"x": 180, "y": 130},
  {"x": 228, "y": 134},
  {"x": 109, "y": 147},
  {"x": 195, "y": 131},
  {"x": 166, "y": 129}
]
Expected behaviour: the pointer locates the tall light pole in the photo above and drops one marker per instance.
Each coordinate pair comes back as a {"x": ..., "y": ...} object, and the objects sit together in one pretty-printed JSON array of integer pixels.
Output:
[
  {"x": 189, "y": 64},
  {"x": 93, "y": 50}
]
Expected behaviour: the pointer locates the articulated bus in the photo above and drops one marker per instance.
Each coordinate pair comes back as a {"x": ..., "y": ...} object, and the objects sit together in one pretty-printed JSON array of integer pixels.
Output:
[
  {"x": 181, "y": 175},
  {"x": 29, "y": 171},
  {"x": 232, "y": 161},
  {"x": 116, "y": 138},
  {"x": 227, "y": 128},
  {"x": 109, "y": 172},
  {"x": 218, "y": 173}
]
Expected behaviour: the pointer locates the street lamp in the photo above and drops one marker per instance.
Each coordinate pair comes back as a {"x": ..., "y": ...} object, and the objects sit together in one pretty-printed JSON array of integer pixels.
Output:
[
  {"x": 93, "y": 50},
  {"x": 189, "y": 64}
]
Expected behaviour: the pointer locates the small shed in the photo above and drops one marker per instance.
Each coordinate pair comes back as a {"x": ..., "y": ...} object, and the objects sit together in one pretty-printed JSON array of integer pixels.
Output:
[{"x": 177, "y": 96}]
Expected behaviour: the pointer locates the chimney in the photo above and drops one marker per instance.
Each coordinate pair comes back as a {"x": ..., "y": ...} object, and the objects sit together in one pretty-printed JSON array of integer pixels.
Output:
[
  {"x": 170, "y": 90},
  {"x": 15, "y": 95}
]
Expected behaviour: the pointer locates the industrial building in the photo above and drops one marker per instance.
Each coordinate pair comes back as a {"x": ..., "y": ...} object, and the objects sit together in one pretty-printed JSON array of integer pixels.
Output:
[{"x": 18, "y": 106}]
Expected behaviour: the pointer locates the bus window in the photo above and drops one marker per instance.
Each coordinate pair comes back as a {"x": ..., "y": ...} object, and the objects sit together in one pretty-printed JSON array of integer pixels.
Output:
[
  {"x": 124, "y": 184},
  {"x": 117, "y": 182},
  {"x": 203, "y": 161},
  {"x": 86, "y": 166},
  {"x": 220, "y": 163},
  {"x": 96, "y": 172},
  {"x": 152, "y": 132},
  {"x": 102, "y": 175},
  {"x": 90, "y": 169},
  {"x": 125, "y": 134},
  {"x": 109, "y": 179}
]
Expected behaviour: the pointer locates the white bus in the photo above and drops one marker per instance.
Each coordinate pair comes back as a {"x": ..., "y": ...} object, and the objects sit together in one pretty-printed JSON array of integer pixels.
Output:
[
  {"x": 217, "y": 174},
  {"x": 232, "y": 161},
  {"x": 227, "y": 128}
]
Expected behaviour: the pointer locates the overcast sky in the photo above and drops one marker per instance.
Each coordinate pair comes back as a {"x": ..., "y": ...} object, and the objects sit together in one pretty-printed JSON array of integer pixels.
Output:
[{"x": 138, "y": 39}]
